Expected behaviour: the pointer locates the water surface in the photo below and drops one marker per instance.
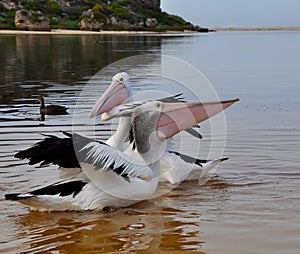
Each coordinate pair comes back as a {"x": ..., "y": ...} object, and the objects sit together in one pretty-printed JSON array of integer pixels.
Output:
[{"x": 251, "y": 205}]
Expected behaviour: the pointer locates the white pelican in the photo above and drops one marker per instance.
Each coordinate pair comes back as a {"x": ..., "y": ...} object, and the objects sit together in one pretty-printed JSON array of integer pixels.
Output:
[
  {"x": 175, "y": 167},
  {"x": 109, "y": 177}
]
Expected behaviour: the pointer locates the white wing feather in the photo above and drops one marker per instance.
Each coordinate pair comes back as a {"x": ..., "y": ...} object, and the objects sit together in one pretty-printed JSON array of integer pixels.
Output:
[{"x": 105, "y": 158}]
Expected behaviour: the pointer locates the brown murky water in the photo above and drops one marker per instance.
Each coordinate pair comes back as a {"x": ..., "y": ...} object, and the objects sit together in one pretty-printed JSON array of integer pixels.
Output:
[{"x": 252, "y": 203}]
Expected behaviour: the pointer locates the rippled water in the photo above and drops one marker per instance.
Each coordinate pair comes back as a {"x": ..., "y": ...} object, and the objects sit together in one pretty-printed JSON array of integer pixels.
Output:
[{"x": 252, "y": 203}]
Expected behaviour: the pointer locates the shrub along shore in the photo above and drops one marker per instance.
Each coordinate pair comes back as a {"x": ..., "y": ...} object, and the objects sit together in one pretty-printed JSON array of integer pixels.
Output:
[{"x": 90, "y": 15}]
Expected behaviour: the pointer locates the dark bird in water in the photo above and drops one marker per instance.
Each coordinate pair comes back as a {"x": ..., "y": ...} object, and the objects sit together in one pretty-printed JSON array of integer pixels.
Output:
[{"x": 51, "y": 109}]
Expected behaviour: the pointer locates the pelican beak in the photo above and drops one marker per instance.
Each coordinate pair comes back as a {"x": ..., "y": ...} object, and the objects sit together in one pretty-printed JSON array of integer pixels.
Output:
[
  {"x": 124, "y": 110},
  {"x": 176, "y": 117},
  {"x": 106, "y": 116},
  {"x": 115, "y": 95}
]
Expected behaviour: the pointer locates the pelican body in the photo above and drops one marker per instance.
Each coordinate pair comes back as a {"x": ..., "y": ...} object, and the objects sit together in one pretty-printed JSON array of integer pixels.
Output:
[
  {"x": 108, "y": 177},
  {"x": 174, "y": 168}
]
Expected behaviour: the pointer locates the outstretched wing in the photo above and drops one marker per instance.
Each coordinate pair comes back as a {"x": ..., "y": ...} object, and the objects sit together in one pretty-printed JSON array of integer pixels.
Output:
[
  {"x": 75, "y": 149},
  {"x": 55, "y": 150},
  {"x": 102, "y": 157}
]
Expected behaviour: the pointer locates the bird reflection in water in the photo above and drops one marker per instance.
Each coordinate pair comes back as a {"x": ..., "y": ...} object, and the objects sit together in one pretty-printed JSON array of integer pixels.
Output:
[{"x": 123, "y": 231}]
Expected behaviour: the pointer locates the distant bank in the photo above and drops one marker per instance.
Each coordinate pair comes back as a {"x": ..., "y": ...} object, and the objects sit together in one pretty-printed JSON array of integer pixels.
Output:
[
  {"x": 88, "y": 15},
  {"x": 217, "y": 29},
  {"x": 283, "y": 28},
  {"x": 81, "y": 32}
]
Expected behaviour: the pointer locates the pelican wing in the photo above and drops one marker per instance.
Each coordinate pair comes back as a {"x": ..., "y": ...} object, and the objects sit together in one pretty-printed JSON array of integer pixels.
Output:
[
  {"x": 55, "y": 150},
  {"x": 189, "y": 159},
  {"x": 194, "y": 133},
  {"x": 175, "y": 98},
  {"x": 102, "y": 157}
]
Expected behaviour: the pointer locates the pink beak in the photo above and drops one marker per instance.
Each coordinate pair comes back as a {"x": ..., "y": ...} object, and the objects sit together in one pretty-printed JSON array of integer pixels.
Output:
[
  {"x": 115, "y": 95},
  {"x": 177, "y": 117}
]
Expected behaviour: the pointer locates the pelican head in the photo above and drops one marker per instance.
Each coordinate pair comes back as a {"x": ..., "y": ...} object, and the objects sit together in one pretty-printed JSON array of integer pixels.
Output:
[
  {"x": 117, "y": 93},
  {"x": 170, "y": 118}
]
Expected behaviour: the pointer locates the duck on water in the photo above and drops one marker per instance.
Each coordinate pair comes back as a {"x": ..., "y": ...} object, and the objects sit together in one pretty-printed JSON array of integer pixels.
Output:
[{"x": 51, "y": 109}]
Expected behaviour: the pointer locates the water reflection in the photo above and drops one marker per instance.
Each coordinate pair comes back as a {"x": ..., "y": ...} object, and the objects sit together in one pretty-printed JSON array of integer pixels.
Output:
[
  {"x": 167, "y": 224},
  {"x": 133, "y": 229},
  {"x": 31, "y": 62}
]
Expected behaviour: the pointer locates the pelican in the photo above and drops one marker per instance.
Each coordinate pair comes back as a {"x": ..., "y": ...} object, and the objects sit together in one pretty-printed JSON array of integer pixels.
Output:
[
  {"x": 108, "y": 177},
  {"x": 119, "y": 92},
  {"x": 175, "y": 167}
]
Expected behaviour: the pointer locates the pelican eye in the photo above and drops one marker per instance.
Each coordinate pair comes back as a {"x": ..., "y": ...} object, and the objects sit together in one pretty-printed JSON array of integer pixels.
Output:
[
  {"x": 121, "y": 80},
  {"x": 157, "y": 105}
]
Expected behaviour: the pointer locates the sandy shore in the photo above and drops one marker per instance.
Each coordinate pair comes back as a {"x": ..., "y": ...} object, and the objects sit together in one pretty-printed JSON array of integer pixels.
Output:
[
  {"x": 80, "y": 32},
  {"x": 61, "y": 31}
]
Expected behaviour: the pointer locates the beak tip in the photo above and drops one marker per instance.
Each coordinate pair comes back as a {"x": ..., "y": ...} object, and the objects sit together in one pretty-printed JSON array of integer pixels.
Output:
[
  {"x": 105, "y": 117},
  {"x": 161, "y": 135}
]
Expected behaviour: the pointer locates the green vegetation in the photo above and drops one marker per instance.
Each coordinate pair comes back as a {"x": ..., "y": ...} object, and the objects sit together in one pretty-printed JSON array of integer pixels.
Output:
[
  {"x": 64, "y": 24},
  {"x": 36, "y": 16},
  {"x": 34, "y": 5},
  {"x": 2, "y": 8},
  {"x": 11, "y": 15},
  {"x": 98, "y": 11},
  {"x": 68, "y": 14},
  {"x": 7, "y": 18},
  {"x": 125, "y": 2},
  {"x": 97, "y": 8},
  {"x": 121, "y": 13},
  {"x": 118, "y": 11},
  {"x": 52, "y": 8},
  {"x": 164, "y": 18}
]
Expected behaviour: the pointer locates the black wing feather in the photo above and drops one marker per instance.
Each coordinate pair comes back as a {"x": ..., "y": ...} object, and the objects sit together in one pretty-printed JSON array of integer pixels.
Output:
[
  {"x": 189, "y": 159},
  {"x": 174, "y": 98},
  {"x": 63, "y": 189},
  {"x": 52, "y": 149}
]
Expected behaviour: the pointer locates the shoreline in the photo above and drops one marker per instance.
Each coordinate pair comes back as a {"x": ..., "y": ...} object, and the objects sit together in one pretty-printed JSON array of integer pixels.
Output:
[
  {"x": 104, "y": 32},
  {"x": 81, "y": 32},
  {"x": 267, "y": 28}
]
